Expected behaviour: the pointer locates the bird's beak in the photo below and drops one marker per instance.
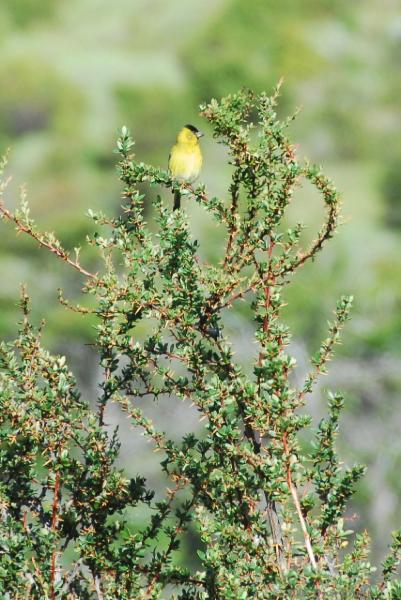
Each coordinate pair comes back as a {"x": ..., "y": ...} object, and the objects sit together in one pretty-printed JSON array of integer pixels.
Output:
[{"x": 199, "y": 134}]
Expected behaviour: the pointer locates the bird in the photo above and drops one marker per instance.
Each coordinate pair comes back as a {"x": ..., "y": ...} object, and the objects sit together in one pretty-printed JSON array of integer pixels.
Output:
[{"x": 185, "y": 160}]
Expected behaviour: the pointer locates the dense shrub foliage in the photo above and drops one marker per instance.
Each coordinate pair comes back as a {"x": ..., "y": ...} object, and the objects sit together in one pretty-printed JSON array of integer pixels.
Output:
[{"x": 268, "y": 510}]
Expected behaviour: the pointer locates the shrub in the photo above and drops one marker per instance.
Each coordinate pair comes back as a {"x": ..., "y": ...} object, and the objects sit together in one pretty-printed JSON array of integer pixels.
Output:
[{"x": 269, "y": 512}]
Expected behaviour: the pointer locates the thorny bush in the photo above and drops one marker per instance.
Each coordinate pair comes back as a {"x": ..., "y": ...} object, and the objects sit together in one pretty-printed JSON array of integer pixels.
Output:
[{"x": 268, "y": 513}]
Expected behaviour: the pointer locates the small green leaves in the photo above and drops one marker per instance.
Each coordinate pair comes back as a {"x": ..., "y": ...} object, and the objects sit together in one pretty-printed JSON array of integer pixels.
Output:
[
  {"x": 260, "y": 511},
  {"x": 125, "y": 143},
  {"x": 392, "y": 561},
  {"x": 326, "y": 351}
]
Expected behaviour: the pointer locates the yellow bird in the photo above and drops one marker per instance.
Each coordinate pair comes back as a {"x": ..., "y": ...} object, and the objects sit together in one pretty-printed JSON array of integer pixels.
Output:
[{"x": 185, "y": 160}]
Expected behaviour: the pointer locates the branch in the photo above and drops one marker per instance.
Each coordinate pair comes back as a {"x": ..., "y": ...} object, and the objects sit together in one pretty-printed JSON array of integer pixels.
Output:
[
  {"x": 98, "y": 588},
  {"x": 56, "y": 499},
  {"x": 297, "y": 504},
  {"x": 69, "y": 579},
  {"x": 333, "y": 204},
  {"x": 234, "y": 216},
  {"x": 327, "y": 347},
  {"x": 46, "y": 240},
  {"x": 271, "y": 508}
]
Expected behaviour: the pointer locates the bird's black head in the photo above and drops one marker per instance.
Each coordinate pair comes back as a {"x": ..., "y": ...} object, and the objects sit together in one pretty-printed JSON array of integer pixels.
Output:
[{"x": 194, "y": 130}]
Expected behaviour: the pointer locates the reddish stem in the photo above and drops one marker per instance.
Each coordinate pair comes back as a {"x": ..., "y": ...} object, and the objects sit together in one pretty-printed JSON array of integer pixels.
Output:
[{"x": 56, "y": 499}]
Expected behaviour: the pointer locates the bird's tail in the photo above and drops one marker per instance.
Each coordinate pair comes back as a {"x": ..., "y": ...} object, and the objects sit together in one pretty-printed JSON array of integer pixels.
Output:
[{"x": 177, "y": 200}]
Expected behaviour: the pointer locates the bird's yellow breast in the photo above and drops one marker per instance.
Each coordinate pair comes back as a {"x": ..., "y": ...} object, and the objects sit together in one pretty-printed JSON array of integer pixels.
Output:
[{"x": 185, "y": 161}]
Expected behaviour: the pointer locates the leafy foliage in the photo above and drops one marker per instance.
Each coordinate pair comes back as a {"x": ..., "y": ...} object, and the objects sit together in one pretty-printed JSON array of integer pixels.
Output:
[{"x": 269, "y": 513}]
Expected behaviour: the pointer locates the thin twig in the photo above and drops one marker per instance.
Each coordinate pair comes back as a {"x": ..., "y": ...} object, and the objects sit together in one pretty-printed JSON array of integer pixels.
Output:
[
  {"x": 297, "y": 504},
  {"x": 56, "y": 501},
  {"x": 271, "y": 508},
  {"x": 57, "y": 250},
  {"x": 56, "y": 498},
  {"x": 71, "y": 576},
  {"x": 98, "y": 589},
  {"x": 234, "y": 216}
]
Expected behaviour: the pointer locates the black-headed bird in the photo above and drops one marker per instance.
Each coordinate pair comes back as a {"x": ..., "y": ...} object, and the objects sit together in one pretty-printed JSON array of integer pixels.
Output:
[{"x": 185, "y": 160}]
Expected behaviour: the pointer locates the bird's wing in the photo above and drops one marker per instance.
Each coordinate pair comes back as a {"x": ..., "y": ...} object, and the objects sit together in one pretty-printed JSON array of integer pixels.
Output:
[{"x": 170, "y": 156}]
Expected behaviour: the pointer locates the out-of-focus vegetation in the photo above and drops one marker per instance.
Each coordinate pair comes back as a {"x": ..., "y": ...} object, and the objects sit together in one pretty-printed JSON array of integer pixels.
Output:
[{"x": 72, "y": 73}]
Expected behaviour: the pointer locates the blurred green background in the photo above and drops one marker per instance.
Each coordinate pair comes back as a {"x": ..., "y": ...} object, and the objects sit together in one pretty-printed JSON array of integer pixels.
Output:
[{"x": 72, "y": 73}]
